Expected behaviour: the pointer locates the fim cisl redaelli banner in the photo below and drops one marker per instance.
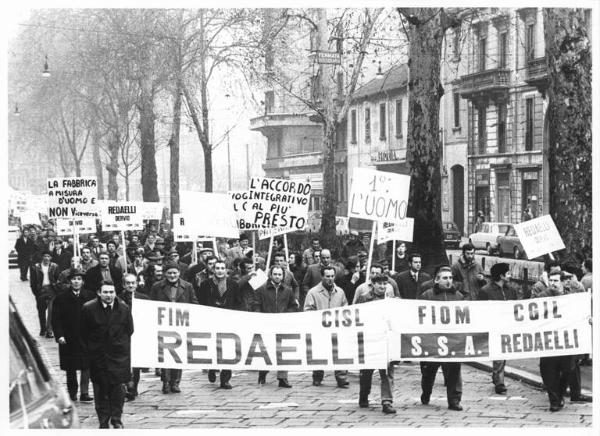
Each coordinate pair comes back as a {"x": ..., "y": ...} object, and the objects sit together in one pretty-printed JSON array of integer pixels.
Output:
[{"x": 174, "y": 335}]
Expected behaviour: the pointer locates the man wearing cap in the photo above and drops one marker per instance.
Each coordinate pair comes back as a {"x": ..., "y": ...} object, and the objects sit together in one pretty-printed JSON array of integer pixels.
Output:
[
  {"x": 173, "y": 256},
  {"x": 42, "y": 279},
  {"x": 205, "y": 274},
  {"x": 194, "y": 268},
  {"x": 63, "y": 283},
  {"x": 175, "y": 290},
  {"x": 377, "y": 291},
  {"x": 66, "y": 319},
  {"x": 103, "y": 272},
  {"x": 498, "y": 289},
  {"x": 353, "y": 246},
  {"x": 368, "y": 288},
  {"x": 61, "y": 256},
  {"x": 349, "y": 281},
  {"x": 106, "y": 329}
]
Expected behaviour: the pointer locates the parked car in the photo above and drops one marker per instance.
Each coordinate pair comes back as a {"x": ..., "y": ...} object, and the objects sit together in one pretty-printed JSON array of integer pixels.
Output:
[
  {"x": 487, "y": 237},
  {"x": 509, "y": 244},
  {"x": 36, "y": 399},
  {"x": 452, "y": 235},
  {"x": 13, "y": 235}
]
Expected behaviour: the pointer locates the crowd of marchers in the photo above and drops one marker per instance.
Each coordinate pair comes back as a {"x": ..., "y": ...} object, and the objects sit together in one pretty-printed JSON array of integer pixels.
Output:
[{"x": 84, "y": 302}]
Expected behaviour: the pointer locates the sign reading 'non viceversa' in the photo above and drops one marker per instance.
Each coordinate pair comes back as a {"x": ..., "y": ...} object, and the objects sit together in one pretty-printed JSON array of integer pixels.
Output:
[
  {"x": 279, "y": 202},
  {"x": 72, "y": 196},
  {"x": 378, "y": 195}
]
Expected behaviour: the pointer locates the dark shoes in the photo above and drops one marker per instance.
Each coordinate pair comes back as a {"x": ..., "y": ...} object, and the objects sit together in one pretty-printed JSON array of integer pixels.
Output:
[
  {"x": 42, "y": 333},
  {"x": 49, "y": 335},
  {"x": 85, "y": 398},
  {"x": 582, "y": 398},
  {"x": 425, "y": 399},
  {"x": 212, "y": 376},
  {"x": 457, "y": 407},
  {"x": 283, "y": 383},
  {"x": 175, "y": 388},
  {"x": 555, "y": 408},
  {"x": 73, "y": 397},
  {"x": 500, "y": 389},
  {"x": 316, "y": 382},
  {"x": 343, "y": 384},
  {"x": 262, "y": 378},
  {"x": 363, "y": 402},
  {"x": 388, "y": 409},
  {"x": 226, "y": 385},
  {"x": 166, "y": 388}
]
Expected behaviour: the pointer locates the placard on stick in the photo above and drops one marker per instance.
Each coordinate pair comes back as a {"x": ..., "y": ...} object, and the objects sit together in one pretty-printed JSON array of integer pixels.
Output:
[
  {"x": 399, "y": 231},
  {"x": 83, "y": 225},
  {"x": 72, "y": 196},
  {"x": 539, "y": 236},
  {"x": 209, "y": 214},
  {"x": 121, "y": 215}
]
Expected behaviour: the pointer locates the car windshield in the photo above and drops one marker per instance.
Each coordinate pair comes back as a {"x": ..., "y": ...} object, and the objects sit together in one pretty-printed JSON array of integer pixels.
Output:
[{"x": 503, "y": 228}]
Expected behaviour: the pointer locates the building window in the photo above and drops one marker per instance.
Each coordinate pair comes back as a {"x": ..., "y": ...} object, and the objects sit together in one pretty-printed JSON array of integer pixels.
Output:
[
  {"x": 482, "y": 53},
  {"x": 269, "y": 101},
  {"x": 530, "y": 194},
  {"x": 502, "y": 128},
  {"x": 367, "y": 124},
  {"x": 530, "y": 42},
  {"x": 502, "y": 50},
  {"x": 399, "y": 118},
  {"x": 382, "y": 123},
  {"x": 456, "y": 109},
  {"x": 503, "y": 196},
  {"x": 481, "y": 129},
  {"x": 353, "y": 126},
  {"x": 529, "y": 124}
]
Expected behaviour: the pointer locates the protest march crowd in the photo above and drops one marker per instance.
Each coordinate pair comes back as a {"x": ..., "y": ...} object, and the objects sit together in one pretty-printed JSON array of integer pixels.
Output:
[{"x": 84, "y": 302}]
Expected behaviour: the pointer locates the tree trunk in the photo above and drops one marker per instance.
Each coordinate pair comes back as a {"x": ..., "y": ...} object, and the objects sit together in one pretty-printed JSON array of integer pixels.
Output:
[
  {"x": 98, "y": 166},
  {"x": 568, "y": 56},
  {"x": 149, "y": 176},
  {"x": 127, "y": 186},
  {"x": 174, "y": 145},
  {"x": 423, "y": 145},
  {"x": 329, "y": 207},
  {"x": 113, "y": 170}
]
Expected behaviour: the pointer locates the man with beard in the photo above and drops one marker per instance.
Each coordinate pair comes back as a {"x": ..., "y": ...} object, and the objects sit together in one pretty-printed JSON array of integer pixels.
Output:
[
  {"x": 469, "y": 273},
  {"x": 66, "y": 319}
]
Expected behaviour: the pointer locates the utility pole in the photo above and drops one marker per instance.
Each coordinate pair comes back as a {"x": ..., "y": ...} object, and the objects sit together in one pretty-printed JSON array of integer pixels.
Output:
[{"x": 228, "y": 161}]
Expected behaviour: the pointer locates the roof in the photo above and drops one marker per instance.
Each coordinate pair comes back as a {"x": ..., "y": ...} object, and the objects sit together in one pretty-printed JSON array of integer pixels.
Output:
[{"x": 395, "y": 78}]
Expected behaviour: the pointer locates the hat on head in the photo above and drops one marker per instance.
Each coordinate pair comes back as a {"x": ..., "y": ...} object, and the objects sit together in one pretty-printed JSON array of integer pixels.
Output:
[
  {"x": 173, "y": 251},
  {"x": 204, "y": 249},
  {"x": 76, "y": 272},
  {"x": 499, "y": 268},
  {"x": 564, "y": 275},
  {"x": 155, "y": 256},
  {"x": 170, "y": 265},
  {"x": 354, "y": 232}
]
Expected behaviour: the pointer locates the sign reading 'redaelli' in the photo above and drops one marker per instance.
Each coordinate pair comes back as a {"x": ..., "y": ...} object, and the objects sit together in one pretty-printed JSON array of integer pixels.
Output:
[
  {"x": 539, "y": 236},
  {"x": 122, "y": 215}
]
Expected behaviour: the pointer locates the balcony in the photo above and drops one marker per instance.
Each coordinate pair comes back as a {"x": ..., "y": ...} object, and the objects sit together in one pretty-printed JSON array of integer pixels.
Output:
[
  {"x": 486, "y": 85},
  {"x": 537, "y": 74}
]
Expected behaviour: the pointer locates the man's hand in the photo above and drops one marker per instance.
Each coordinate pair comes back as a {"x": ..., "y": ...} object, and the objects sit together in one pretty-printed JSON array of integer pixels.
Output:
[
  {"x": 62, "y": 340},
  {"x": 355, "y": 277}
]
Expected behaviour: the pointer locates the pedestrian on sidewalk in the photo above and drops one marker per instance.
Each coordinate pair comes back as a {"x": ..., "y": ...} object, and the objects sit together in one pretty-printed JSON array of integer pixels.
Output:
[
  {"x": 378, "y": 291},
  {"x": 25, "y": 247},
  {"x": 43, "y": 279},
  {"x": 442, "y": 290},
  {"x": 66, "y": 319},
  {"x": 275, "y": 297},
  {"x": 499, "y": 289},
  {"x": 106, "y": 329}
]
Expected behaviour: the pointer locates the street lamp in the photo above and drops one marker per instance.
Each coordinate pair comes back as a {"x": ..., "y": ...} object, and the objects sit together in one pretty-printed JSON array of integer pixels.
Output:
[
  {"x": 379, "y": 71},
  {"x": 17, "y": 113},
  {"x": 46, "y": 72}
]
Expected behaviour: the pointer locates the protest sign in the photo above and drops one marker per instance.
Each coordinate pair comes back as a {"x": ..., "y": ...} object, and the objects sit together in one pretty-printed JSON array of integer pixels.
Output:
[
  {"x": 279, "y": 202},
  {"x": 151, "y": 210},
  {"x": 29, "y": 217},
  {"x": 209, "y": 214},
  {"x": 272, "y": 231},
  {"x": 258, "y": 279},
  {"x": 81, "y": 225},
  {"x": 72, "y": 196},
  {"x": 177, "y": 335},
  {"x": 172, "y": 335},
  {"x": 183, "y": 232},
  {"x": 342, "y": 225},
  {"x": 539, "y": 236},
  {"x": 243, "y": 211},
  {"x": 121, "y": 215},
  {"x": 378, "y": 195},
  {"x": 399, "y": 231}
]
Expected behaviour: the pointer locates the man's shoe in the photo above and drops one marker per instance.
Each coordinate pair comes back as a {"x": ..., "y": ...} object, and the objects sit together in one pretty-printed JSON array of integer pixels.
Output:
[
  {"x": 49, "y": 335},
  {"x": 212, "y": 376},
  {"x": 555, "y": 408},
  {"x": 166, "y": 388},
  {"x": 118, "y": 425},
  {"x": 226, "y": 385},
  {"x": 73, "y": 397},
  {"x": 85, "y": 398},
  {"x": 425, "y": 399},
  {"x": 175, "y": 389},
  {"x": 283, "y": 383},
  {"x": 582, "y": 398},
  {"x": 388, "y": 409},
  {"x": 317, "y": 382},
  {"x": 42, "y": 333},
  {"x": 157, "y": 372},
  {"x": 342, "y": 384},
  {"x": 500, "y": 389},
  {"x": 262, "y": 378},
  {"x": 457, "y": 407},
  {"x": 363, "y": 402}
]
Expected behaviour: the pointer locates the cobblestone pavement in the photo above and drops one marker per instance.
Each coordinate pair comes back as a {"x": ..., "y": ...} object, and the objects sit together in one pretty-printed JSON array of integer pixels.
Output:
[{"x": 203, "y": 404}]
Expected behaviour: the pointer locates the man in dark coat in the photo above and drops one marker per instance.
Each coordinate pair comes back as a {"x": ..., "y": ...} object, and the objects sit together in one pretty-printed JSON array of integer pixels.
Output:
[
  {"x": 66, "y": 319},
  {"x": 313, "y": 274},
  {"x": 175, "y": 290},
  {"x": 103, "y": 272},
  {"x": 43, "y": 279},
  {"x": 409, "y": 282},
  {"x": 25, "y": 248},
  {"x": 220, "y": 291},
  {"x": 106, "y": 329},
  {"x": 288, "y": 277}
]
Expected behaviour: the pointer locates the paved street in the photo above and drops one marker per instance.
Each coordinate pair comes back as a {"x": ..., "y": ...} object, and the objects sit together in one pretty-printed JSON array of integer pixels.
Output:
[{"x": 202, "y": 404}]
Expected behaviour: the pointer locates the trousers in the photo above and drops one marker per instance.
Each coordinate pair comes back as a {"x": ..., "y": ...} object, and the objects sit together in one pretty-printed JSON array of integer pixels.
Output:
[
  {"x": 108, "y": 400},
  {"x": 453, "y": 379},
  {"x": 498, "y": 372},
  {"x": 555, "y": 372},
  {"x": 387, "y": 383},
  {"x": 73, "y": 386}
]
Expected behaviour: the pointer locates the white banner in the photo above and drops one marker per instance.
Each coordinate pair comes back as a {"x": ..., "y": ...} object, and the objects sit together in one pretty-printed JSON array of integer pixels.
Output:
[
  {"x": 72, "y": 196},
  {"x": 242, "y": 206},
  {"x": 279, "y": 202},
  {"x": 29, "y": 217},
  {"x": 176, "y": 335},
  {"x": 399, "y": 231},
  {"x": 539, "y": 236},
  {"x": 84, "y": 224},
  {"x": 172, "y": 335},
  {"x": 151, "y": 210},
  {"x": 121, "y": 215},
  {"x": 181, "y": 231},
  {"x": 209, "y": 214},
  {"x": 378, "y": 195}
]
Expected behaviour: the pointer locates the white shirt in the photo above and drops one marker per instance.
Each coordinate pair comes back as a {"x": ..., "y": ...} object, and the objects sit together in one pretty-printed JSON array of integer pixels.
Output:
[{"x": 46, "y": 281}]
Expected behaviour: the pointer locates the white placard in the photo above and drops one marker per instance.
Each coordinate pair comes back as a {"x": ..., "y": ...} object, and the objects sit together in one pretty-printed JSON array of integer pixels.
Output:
[
  {"x": 121, "y": 215},
  {"x": 279, "y": 202},
  {"x": 72, "y": 196},
  {"x": 258, "y": 279},
  {"x": 183, "y": 232},
  {"x": 268, "y": 232},
  {"x": 378, "y": 195},
  {"x": 539, "y": 236},
  {"x": 399, "y": 231},
  {"x": 29, "y": 217},
  {"x": 242, "y": 206},
  {"x": 342, "y": 225},
  {"x": 211, "y": 214},
  {"x": 151, "y": 210},
  {"x": 84, "y": 224}
]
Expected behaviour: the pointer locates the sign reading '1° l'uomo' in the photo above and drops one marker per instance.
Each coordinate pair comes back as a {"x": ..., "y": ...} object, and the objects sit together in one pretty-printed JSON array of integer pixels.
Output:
[{"x": 379, "y": 195}]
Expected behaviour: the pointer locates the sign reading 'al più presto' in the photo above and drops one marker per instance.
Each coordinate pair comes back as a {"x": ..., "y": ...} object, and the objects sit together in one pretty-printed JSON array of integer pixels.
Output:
[
  {"x": 539, "y": 236},
  {"x": 122, "y": 215},
  {"x": 368, "y": 335},
  {"x": 279, "y": 202},
  {"x": 72, "y": 196},
  {"x": 378, "y": 195}
]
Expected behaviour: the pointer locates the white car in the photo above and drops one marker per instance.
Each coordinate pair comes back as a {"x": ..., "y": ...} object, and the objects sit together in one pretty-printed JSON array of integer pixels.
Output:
[{"x": 487, "y": 237}]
